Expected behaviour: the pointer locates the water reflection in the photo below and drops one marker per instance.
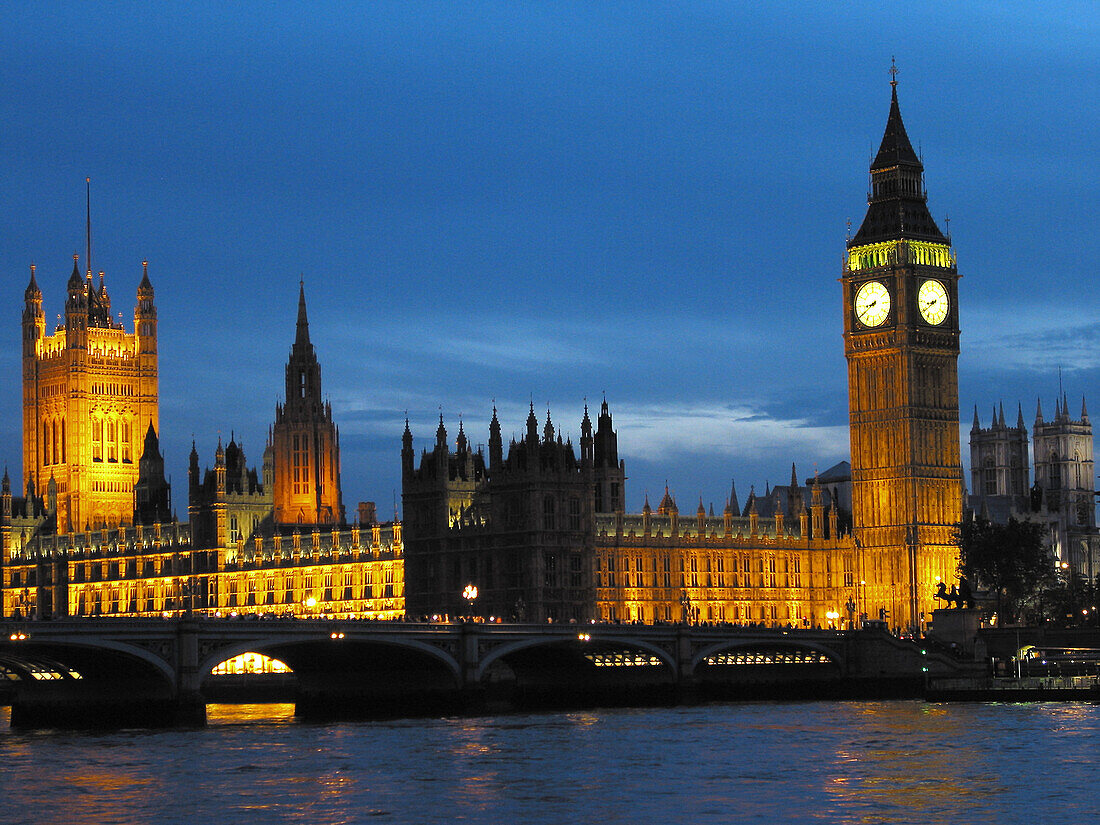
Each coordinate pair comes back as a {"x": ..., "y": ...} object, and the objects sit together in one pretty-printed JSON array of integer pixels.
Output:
[
  {"x": 249, "y": 714},
  {"x": 888, "y": 762}
]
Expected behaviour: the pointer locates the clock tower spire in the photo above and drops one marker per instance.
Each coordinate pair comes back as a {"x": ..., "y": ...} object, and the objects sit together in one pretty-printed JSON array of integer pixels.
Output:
[{"x": 901, "y": 341}]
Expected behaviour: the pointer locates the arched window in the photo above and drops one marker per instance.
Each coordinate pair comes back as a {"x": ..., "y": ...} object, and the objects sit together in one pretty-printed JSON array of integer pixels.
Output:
[
  {"x": 989, "y": 477},
  {"x": 548, "y": 520},
  {"x": 97, "y": 439},
  {"x": 124, "y": 440},
  {"x": 47, "y": 444},
  {"x": 1055, "y": 478},
  {"x": 111, "y": 437}
]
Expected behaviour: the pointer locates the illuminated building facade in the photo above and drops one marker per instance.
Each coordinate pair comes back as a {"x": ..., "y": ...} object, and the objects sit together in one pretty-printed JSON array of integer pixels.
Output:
[
  {"x": 234, "y": 556},
  {"x": 89, "y": 397},
  {"x": 901, "y": 340},
  {"x": 540, "y": 529},
  {"x": 792, "y": 566},
  {"x": 525, "y": 529}
]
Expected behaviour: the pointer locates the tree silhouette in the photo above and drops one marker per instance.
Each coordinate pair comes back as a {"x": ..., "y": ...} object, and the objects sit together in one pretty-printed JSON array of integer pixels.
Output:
[{"x": 1010, "y": 560}]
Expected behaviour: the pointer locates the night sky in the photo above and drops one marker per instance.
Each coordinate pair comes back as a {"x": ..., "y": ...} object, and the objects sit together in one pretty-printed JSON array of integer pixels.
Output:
[{"x": 547, "y": 202}]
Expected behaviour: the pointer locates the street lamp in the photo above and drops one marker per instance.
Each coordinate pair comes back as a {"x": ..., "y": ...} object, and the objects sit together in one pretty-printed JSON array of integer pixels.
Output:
[
  {"x": 832, "y": 616},
  {"x": 470, "y": 594},
  {"x": 685, "y": 604}
]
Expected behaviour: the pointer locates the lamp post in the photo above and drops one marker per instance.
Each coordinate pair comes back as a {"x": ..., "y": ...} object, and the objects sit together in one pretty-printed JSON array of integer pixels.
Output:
[
  {"x": 685, "y": 605},
  {"x": 851, "y": 606},
  {"x": 832, "y": 616},
  {"x": 470, "y": 595}
]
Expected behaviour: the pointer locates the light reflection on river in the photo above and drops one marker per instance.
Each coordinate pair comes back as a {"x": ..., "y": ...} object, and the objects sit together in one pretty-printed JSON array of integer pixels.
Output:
[{"x": 856, "y": 762}]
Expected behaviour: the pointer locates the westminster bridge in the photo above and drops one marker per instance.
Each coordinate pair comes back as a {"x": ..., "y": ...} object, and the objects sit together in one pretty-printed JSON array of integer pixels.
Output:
[{"x": 91, "y": 672}]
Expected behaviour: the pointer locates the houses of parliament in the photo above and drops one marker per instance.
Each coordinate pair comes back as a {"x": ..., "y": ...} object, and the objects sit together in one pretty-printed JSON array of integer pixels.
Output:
[{"x": 538, "y": 525}]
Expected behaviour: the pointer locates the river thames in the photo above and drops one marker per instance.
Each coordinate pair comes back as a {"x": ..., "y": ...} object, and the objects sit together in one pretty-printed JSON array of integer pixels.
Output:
[{"x": 850, "y": 762}]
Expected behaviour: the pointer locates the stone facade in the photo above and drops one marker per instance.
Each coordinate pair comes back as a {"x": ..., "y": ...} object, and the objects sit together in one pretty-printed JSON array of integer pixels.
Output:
[{"x": 90, "y": 394}]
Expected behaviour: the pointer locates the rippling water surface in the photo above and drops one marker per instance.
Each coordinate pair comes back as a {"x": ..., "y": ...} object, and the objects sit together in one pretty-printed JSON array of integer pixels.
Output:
[{"x": 883, "y": 762}]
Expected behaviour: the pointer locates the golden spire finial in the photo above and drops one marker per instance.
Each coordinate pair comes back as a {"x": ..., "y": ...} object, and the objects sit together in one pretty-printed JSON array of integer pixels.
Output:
[{"x": 893, "y": 72}]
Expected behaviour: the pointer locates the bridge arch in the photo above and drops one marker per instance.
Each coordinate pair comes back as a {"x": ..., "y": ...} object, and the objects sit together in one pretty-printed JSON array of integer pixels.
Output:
[
  {"x": 506, "y": 649},
  {"x": 792, "y": 645},
  {"x": 57, "y": 647},
  {"x": 278, "y": 646}
]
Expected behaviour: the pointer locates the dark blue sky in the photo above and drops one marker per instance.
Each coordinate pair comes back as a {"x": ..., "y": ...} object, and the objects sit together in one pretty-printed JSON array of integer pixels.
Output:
[{"x": 547, "y": 202}]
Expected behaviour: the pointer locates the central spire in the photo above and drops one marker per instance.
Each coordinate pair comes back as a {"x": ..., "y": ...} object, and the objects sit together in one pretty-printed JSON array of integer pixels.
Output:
[{"x": 302, "y": 335}]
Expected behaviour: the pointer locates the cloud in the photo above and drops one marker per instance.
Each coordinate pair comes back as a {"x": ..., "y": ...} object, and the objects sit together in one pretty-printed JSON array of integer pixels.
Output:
[
  {"x": 647, "y": 431},
  {"x": 1036, "y": 341},
  {"x": 657, "y": 431}
]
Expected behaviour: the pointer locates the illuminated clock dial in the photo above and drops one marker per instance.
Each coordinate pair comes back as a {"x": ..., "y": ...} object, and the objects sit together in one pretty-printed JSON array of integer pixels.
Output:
[
  {"x": 872, "y": 304},
  {"x": 933, "y": 302}
]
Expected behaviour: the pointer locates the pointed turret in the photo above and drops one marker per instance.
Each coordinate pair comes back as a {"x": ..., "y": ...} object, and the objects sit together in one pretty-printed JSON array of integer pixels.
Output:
[
  {"x": 461, "y": 444},
  {"x": 152, "y": 496},
  {"x": 1084, "y": 411},
  {"x": 34, "y": 319},
  {"x": 75, "y": 281},
  {"x": 441, "y": 435},
  {"x": 145, "y": 286},
  {"x": 145, "y": 315},
  {"x": 193, "y": 478},
  {"x": 586, "y": 437},
  {"x": 496, "y": 443},
  {"x": 548, "y": 430},
  {"x": 32, "y": 292},
  {"x": 151, "y": 447},
  {"x": 1019, "y": 416},
  {"x": 1039, "y": 411},
  {"x": 532, "y": 426},
  {"x": 977, "y": 424},
  {"x": 668, "y": 503},
  {"x": 897, "y": 206},
  {"x": 407, "y": 454},
  {"x": 1001, "y": 415},
  {"x": 734, "y": 504}
]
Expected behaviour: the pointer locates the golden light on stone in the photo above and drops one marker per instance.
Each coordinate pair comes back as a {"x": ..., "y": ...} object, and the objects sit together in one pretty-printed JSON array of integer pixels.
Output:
[{"x": 250, "y": 663}]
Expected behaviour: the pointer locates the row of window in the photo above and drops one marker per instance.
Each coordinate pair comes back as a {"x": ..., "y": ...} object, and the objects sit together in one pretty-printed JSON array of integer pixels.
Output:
[
  {"x": 114, "y": 389},
  {"x": 742, "y": 612},
  {"x": 550, "y": 518}
]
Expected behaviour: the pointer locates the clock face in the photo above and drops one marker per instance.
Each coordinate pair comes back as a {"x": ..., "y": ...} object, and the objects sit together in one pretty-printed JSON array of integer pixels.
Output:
[
  {"x": 933, "y": 302},
  {"x": 872, "y": 304}
]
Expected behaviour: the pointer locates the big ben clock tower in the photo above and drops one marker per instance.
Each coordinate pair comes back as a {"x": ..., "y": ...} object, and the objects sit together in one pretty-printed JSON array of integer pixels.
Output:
[{"x": 901, "y": 339}]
